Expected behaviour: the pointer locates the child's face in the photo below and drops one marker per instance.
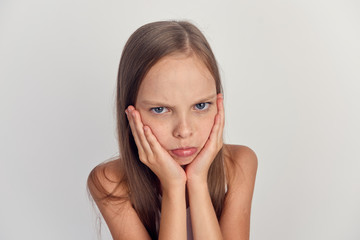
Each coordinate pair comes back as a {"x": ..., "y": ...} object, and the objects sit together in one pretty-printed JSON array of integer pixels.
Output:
[{"x": 177, "y": 100}]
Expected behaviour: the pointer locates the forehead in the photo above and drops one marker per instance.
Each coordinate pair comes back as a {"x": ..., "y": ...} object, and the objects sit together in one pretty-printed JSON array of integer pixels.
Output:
[{"x": 177, "y": 77}]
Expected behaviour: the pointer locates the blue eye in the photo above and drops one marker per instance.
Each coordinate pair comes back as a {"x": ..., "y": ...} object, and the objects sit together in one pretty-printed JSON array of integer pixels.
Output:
[
  {"x": 158, "y": 110},
  {"x": 202, "y": 106}
]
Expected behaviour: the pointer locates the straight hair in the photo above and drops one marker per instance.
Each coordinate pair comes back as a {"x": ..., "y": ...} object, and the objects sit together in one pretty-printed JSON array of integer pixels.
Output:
[{"x": 145, "y": 47}]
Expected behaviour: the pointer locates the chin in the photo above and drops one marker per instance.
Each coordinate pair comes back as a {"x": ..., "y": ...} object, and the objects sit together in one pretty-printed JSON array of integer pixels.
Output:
[{"x": 184, "y": 161}]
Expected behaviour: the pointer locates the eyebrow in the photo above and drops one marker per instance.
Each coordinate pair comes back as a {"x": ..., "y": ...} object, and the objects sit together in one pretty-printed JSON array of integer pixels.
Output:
[
  {"x": 206, "y": 99},
  {"x": 158, "y": 103}
]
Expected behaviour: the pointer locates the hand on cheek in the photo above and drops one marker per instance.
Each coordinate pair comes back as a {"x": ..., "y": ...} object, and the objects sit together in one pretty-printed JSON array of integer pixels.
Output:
[
  {"x": 198, "y": 169},
  {"x": 152, "y": 154}
]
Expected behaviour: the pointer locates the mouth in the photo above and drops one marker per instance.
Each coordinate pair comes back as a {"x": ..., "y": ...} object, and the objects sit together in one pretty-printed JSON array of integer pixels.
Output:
[{"x": 184, "y": 152}]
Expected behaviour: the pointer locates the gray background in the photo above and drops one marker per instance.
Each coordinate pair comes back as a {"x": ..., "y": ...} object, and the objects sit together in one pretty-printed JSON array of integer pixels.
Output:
[{"x": 291, "y": 74}]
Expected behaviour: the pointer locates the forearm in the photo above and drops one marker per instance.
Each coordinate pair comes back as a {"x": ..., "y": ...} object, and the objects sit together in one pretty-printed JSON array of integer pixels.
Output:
[
  {"x": 203, "y": 217},
  {"x": 173, "y": 214}
]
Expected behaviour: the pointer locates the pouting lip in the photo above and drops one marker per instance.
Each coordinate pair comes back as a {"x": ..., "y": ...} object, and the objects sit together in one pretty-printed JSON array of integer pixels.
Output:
[
  {"x": 184, "y": 152},
  {"x": 181, "y": 148}
]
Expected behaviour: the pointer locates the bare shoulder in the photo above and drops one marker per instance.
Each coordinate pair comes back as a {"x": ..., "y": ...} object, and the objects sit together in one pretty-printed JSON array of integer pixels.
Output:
[
  {"x": 241, "y": 166},
  {"x": 240, "y": 160},
  {"x": 110, "y": 193},
  {"x": 106, "y": 179}
]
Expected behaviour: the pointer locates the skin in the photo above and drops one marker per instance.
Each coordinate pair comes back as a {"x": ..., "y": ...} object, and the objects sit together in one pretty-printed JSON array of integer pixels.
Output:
[
  {"x": 169, "y": 114},
  {"x": 183, "y": 88},
  {"x": 177, "y": 106}
]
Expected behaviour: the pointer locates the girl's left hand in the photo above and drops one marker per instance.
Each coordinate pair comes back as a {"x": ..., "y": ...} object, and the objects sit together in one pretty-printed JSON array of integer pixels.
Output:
[{"x": 198, "y": 169}]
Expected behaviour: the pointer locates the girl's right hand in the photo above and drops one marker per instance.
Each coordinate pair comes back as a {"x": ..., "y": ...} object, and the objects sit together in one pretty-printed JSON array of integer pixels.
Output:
[{"x": 153, "y": 155}]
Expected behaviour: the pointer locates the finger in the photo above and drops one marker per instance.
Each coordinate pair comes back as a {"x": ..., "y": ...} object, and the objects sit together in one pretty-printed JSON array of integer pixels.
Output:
[
  {"x": 219, "y": 118},
  {"x": 221, "y": 112},
  {"x": 152, "y": 140},
  {"x": 132, "y": 124},
  {"x": 140, "y": 132},
  {"x": 215, "y": 137},
  {"x": 214, "y": 134},
  {"x": 134, "y": 131}
]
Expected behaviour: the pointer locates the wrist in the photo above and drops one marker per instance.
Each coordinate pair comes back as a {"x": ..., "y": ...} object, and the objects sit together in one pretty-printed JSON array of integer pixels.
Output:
[
  {"x": 173, "y": 188},
  {"x": 197, "y": 183}
]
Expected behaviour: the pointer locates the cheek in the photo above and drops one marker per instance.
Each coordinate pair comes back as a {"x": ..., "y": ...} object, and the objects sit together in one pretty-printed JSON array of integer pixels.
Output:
[
  {"x": 161, "y": 133},
  {"x": 162, "y": 130},
  {"x": 159, "y": 129},
  {"x": 205, "y": 128}
]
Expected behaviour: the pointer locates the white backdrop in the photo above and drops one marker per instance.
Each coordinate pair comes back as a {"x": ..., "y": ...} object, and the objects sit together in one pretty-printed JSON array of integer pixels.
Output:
[{"x": 291, "y": 71}]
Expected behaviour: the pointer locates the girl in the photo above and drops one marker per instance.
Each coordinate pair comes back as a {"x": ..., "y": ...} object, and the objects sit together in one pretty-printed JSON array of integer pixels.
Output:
[{"x": 174, "y": 178}]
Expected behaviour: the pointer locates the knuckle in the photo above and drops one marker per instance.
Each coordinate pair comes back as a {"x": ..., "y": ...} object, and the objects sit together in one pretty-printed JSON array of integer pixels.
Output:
[
  {"x": 143, "y": 157},
  {"x": 151, "y": 160}
]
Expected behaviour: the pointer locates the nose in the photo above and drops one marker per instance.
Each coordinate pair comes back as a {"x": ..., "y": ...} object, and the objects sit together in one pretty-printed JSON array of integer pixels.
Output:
[{"x": 183, "y": 128}]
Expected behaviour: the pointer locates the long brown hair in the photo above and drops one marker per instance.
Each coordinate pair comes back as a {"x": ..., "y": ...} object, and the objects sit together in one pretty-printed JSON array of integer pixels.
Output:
[{"x": 145, "y": 47}]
